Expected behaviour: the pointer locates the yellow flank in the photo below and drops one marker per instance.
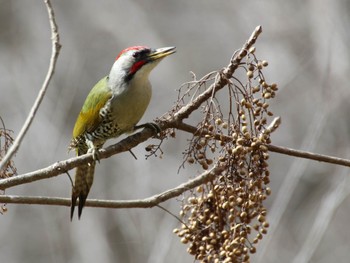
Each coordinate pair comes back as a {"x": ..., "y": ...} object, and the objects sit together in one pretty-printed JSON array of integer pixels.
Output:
[{"x": 89, "y": 117}]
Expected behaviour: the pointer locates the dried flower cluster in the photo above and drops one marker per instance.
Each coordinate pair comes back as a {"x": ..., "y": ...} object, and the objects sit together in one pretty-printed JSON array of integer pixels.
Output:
[
  {"x": 224, "y": 219},
  {"x": 5, "y": 142}
]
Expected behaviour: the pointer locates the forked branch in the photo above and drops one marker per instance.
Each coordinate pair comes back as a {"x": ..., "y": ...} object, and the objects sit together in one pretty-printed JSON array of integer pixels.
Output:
[
  {"x": 56, "y": 46},
  {"x": 171, "y": 121}
]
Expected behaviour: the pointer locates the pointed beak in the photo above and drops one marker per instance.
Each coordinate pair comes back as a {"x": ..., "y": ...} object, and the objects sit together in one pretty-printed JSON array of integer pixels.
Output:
[{"x": 161, "y": 53}]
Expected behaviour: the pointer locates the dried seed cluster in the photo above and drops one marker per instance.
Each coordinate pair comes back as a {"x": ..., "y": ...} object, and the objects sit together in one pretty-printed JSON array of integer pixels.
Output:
[
  {"x": 224, "y": 219},
  {"x": 9, "y": 170},
  {"x": 5, "y": 142}
]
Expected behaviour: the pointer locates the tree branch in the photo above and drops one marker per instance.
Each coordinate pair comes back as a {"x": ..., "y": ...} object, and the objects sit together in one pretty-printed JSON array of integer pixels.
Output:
[
  {"x": 309, "y": 155},
  {"x": 171, "y": 121},
  {"x": 138, "y": 203},
  {"x": 221, "y": 80},
  {"x": 133, "y": 140},
  {"x": 279, "y": 149},
  {"x": 66, "y": 165},
  {"x": 56, "y": 46}
]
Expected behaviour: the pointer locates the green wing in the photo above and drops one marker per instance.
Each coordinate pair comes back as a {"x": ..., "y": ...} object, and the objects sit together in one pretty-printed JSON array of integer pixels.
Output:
[{"x": 89, "y": 117}]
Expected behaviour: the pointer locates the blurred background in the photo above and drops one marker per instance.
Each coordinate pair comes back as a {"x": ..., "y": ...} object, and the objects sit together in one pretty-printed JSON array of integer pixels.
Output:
[{"x": 306, "y": 44}]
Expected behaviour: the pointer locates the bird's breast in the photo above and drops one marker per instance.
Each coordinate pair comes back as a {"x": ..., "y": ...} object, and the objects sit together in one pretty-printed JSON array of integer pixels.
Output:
[{"x": 129, "y": 105}]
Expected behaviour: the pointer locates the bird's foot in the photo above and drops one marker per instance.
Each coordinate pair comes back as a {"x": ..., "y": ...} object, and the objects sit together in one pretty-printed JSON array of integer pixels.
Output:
[
  {"x": 95, "y": 154},
  {"x": 151, "y": 125},
  {"x": 92, "y": 149}
]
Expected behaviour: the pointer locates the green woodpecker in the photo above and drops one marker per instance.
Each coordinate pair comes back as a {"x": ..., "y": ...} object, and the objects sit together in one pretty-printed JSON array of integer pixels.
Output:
[{"x": 114, "y": 106}]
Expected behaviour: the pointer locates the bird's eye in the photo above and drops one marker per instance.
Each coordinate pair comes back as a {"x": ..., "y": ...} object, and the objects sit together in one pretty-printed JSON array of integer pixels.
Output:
[{"x": 140, "y": 53}]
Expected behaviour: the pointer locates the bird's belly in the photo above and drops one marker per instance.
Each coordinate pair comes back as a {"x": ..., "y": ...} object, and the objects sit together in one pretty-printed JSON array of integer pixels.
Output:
[{"x": 127, "y": 118}]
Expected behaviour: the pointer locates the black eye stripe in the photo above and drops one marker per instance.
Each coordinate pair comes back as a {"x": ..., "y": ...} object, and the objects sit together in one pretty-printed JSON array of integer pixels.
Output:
[{"x": 141, "y": 53}]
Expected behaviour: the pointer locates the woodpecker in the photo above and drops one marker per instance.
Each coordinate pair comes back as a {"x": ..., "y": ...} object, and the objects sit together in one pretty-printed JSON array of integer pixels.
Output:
[{"x": 113, "y": 107}]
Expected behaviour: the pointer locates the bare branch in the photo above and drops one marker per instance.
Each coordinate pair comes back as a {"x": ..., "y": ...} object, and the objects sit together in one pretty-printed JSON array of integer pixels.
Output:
[
  {"x": 278, "y": 149},
  {"x": 56, "y": 46},
  {"x": 134, "y": 140},
  {"x": 222, "y": 78},
  {"x": 309, "y": 155},
  {"x": 66, "y": 165},
  {"x": 138, "y": 203},
  {"x": 174, "y": 121}
]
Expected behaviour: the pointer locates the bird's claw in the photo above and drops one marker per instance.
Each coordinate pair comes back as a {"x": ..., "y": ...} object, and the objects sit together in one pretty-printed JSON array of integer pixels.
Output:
[
  {"x": 95, "y": 154},
  {"x": 151, "y": 125}
]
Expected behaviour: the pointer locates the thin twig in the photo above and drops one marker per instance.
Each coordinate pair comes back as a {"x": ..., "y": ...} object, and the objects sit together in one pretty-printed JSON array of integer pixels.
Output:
[
  {"x": 222, "y": 79},
  {"x": 279, "y": 149},
  {"x": 56, "y": 46},
  {"x": 172, "y": 214},
  {"x": 138, "y": 203},
  {"x": 309, "y": 155}
]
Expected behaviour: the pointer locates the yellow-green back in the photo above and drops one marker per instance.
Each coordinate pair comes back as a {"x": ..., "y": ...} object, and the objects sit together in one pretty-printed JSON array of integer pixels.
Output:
[{"x": 89, "y": 117}]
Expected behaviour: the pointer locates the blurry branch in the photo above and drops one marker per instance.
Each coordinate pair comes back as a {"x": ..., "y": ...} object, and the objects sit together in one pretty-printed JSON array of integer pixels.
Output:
[
  {"x": 139, "y": 203},
  {"x": 56, "y": 46},
  {"x": 335, "y": 196},
  {"x": 286, "y": 191}
]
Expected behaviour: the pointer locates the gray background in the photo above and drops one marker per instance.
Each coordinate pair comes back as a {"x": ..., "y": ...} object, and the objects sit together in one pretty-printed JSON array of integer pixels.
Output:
[{"x": 306, "y": 44}]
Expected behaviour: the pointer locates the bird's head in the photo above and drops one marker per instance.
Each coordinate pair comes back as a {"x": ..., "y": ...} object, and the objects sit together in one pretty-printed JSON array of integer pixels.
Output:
[{"x": 138, "y": 60}]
